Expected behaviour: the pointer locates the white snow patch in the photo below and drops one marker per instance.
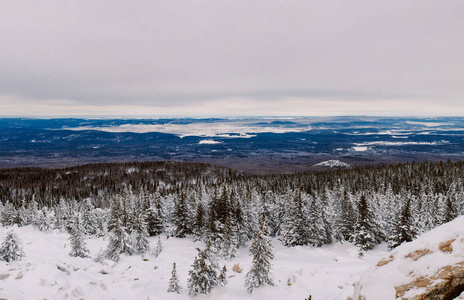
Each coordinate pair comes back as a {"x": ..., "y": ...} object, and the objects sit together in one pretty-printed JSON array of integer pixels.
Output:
[
  {"x": 385, "y": 143},
  {"x": 360, "y": 149},
  {"x": 333, "y": 163},
  {"x": 216, "y": 129},
  {"x": 209, "y": 142},
  {"x": 429, "y": 124}
]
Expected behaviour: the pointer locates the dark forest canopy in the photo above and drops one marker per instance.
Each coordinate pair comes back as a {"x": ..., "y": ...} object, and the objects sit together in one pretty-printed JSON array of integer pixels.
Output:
[
  {"x": 363, "y": 205},
  {"x": 103, "y": 179}
]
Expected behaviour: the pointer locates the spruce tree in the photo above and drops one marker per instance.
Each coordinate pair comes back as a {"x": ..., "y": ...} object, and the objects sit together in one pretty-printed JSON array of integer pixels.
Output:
[
  {"x": 158, "y": 249},
  {"x": 404, "y": 230},
  {"x": 78, "y": 243},
  {"x": 174, "y": 281},
  {"x": 294, "y": 229},
  {"x": 11, "y": 248},
  {"x": 346, "y": 220},
  {"x": 449, "y": 211},
  {"x": 203, "y": 277},
  {"x": 88, "y": 219},
  {"x": 222, "y": 279},
  {"x": 180, "y": 218},
  {"x": 261, "y": 249},
  {"x": 199, "y": 223},
  {"x": 119, "y": 243},
  {"x": 140, "y": 234},
  {"x": 43, "y": 222},
  {"x": 365, "y": 231}
]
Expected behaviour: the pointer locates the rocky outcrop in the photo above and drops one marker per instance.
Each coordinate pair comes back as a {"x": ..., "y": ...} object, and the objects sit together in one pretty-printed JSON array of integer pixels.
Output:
[{"x": 431, "y": 267}]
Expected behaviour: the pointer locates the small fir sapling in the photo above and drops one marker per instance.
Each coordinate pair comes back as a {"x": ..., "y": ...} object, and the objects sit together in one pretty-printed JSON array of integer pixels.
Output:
[
  {"x": 78, "y": 243},
  {"x": 158, "y": 249},
  {"x": 174, "y": 281},
  {"x": 11, "y": 248}
]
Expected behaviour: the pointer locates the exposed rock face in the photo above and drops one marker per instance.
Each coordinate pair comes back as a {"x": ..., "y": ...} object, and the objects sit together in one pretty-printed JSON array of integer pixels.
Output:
[{"x": 431, "y": 267}]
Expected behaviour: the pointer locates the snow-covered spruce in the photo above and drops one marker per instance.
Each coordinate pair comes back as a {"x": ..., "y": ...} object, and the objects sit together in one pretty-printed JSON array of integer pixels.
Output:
[
  {"x": 11, "y": 248},
  {"x": 158, "y": 249},
  {"x": 174, "y": 281},
  {"x": 78, "y": 243},
  {"x": 261, "y": 249},
  {"x": 120, "y": 242},
  {"x": 222, "y": 279},
  {"x": 203, "y": 277},
  {"x": 140, "y": 234}
]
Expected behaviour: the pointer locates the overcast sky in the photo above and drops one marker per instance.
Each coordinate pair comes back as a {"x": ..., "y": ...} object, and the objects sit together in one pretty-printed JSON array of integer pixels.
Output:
[{"x": 220, "y": 58}]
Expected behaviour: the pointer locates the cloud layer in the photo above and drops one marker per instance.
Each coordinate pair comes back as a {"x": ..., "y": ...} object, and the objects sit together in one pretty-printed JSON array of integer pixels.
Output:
[{"x": 231, "y": 57}]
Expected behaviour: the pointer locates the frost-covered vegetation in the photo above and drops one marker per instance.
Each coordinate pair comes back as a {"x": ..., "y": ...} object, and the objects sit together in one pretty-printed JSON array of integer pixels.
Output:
[{"x": 127, "y": 204}]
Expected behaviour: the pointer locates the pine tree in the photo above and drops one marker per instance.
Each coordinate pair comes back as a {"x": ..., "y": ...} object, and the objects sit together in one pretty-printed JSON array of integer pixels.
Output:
[
  {"x": 294, "y": 230},
  {"x": 230, "y": 240},
  {"x": 222, "y": 279},
  {"x": 203, "y": 277},
  {"x": 119, "y": 243},
  {"x": 78, "y": 243},
  {"x": 261, "y": 249},
  {"x": 158, "y": 249},
  {"x": 346, "y": 220},
  {"x": 449, "y": 210},
  {"x": 180, "y": 218},
  {"x": 366, "y": 233},
  {"x": 7, "y": 215},
  {"x": 88, "y": 218},
  {"x": 154, "y": 221},
  {"x": 199, "y": 223},
  {"x": 140, "y": 234},
  {"x": 317, "y": 234},
  {"x": 404, "y": 230},
  {"x": 43, "y": 223},
  {"x": 11, "y": 248},
  {"x": 174, "y": 281}
]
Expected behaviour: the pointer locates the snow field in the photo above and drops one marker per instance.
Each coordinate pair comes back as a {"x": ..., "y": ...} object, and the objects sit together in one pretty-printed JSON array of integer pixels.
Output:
[{"x": 47, "y": 271}]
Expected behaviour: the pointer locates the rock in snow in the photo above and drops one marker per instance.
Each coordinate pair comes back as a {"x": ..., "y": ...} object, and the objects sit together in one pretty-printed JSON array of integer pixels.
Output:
[{"x": 431, "y": 267}]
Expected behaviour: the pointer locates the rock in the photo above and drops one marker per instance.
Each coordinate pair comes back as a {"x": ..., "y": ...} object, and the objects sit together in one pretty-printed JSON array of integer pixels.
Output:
[
  {"x": 418, "y": 254},
  {"x": 446, "y": 246},
  {"x": 385, "y": 261}
]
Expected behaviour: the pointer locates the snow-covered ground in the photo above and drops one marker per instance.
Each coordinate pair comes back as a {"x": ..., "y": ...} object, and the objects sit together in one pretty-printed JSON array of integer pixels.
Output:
[
  {"x": 333, "y": 163},
  {"x": 48, "y": 272}
]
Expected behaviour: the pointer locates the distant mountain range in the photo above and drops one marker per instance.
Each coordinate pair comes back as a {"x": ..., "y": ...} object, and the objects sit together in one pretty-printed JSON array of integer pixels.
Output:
[{"x": 252, "y": 144}]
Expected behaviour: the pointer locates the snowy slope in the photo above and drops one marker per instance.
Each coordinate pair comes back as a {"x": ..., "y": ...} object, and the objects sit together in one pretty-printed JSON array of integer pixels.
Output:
[
  {"x": 333, "y": 163},
  {"x": 48, "y": 272},
  {"x": 421, "y": 259}
]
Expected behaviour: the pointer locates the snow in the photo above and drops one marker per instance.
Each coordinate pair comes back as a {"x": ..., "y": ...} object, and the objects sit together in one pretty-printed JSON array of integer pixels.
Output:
[
  {"x": 380, "y": 282},
  {"x": 226, "y": 129},
  {"x": 385, "y": 143},
  {"x": 333, "y": 163},
  {"x": 48, "y": 272},
  {"x": 209, "y": 142},
  {"x": 429, "y": 124},
  {"x": 360, "y": 149}
]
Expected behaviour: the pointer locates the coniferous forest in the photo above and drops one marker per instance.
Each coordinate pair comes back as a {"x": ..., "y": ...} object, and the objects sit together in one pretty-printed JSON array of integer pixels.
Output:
[{"x": 128, "y": 202}]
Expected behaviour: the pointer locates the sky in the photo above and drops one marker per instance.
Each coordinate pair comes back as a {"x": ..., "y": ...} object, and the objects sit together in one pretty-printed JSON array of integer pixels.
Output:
[{"x": 231, "y": 58}]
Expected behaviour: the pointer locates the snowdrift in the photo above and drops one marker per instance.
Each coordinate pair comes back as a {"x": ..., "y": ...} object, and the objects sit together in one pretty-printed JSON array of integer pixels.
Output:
[{"x": 431, "y": 267}]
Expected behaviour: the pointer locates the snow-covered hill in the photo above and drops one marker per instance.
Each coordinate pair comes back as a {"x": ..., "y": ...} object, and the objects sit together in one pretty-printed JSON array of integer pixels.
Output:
[
  {"x": 48, "y": 272},
  {"x": 333, "y": 163},
  {"x": 433, "y": 264}
]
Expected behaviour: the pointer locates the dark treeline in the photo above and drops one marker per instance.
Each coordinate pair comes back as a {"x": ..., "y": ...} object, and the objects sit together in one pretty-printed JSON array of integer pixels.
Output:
[{"x": 362, "y": 205}]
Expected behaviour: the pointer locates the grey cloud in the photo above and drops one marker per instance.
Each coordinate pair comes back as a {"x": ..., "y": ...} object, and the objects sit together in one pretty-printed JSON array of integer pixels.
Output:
[{"x": 174, "y": 53}]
